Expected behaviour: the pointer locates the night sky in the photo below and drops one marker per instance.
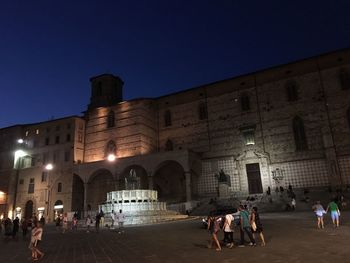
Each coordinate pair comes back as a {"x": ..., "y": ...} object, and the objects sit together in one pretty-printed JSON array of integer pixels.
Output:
[{"x": 50, "y": 49}]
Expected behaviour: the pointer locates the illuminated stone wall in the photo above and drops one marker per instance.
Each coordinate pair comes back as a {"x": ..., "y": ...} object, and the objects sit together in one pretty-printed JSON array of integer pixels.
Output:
[{"x": 134, "y": 132}]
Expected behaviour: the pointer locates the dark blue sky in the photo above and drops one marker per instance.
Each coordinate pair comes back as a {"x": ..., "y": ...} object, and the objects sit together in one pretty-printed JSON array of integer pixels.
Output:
[{"x": 50, "y": 49}]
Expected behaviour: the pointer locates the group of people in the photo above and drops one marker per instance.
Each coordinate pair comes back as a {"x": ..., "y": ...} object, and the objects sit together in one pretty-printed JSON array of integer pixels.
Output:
[
  {"x": 10, "y": 228},
  {"x": 249, "y": 223},
  {"x": 91, "y": 221},
  {"x": 320, "y": 212},
  {"x": 35, "y": 226},
  {"x": 99, "y": 220}
]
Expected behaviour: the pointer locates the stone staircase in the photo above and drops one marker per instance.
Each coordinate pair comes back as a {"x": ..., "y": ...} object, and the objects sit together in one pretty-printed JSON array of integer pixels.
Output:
[
  {"x": 276, "y": 202},
  {"x": 140, "y": 218}
]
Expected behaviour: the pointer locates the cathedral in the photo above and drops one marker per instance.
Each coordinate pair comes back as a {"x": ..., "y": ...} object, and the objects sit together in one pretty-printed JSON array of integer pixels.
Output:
[{"x": 286, "y": 125}]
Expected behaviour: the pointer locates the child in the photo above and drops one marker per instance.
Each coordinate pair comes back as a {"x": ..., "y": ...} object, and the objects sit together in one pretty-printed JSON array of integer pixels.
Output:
[
  {"x": 319, "y": 211},
  {"x": 335, "y": 213}
]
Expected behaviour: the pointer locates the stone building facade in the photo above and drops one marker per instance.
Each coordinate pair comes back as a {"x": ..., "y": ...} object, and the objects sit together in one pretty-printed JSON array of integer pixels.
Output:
[
  {"x": 31, "y": 188},
  {"x": 284, "y": 125}
]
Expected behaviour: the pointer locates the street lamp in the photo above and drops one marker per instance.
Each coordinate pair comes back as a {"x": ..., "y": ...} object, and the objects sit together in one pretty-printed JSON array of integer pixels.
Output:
[
  {"x": 19, "y": 154},
  {"x": 111, "y": 157},
  {"x": 48, "y": 168}
]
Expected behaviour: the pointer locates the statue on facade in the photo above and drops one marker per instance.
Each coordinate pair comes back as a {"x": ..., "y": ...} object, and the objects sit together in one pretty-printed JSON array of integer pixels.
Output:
[
  {"x": 222, "y": 177},
  {"x": 132, "y": 182}
]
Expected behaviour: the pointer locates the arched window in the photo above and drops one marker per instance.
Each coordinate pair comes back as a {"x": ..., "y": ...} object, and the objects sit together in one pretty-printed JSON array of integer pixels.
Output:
[
  {"x": 110, "y": 119},
  {"x": 203, "y": 112},
  {"x": 111, "y": 148},
  {"x": 245, "y": 102},
  {"x": 344, "y": 79},
  {"x": 167, "y": 118},
  {"x": 348, "y": 116},
  {"x": 292, "y": 91},
  {"x": 299, "y": 134},
  {"x": 169, "y": 146},
  {"x": 59, "y": 187}
]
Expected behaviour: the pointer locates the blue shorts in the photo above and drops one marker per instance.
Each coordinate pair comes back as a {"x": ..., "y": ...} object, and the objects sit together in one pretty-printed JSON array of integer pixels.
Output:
[{"x": 335, "y": 215}]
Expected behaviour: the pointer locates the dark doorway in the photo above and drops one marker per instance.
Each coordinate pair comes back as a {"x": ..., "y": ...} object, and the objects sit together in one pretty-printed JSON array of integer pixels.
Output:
[
  {"x": 78, "y": 195},
  {"x": 100, "y": 183},
  {"x": 28, "y": 213},
  {"x": 169, "y": 181},
  {"x": 254, "y": 178}
]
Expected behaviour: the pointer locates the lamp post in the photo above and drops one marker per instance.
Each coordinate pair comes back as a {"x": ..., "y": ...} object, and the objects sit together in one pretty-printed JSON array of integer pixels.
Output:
[
  {"x": 48, "y": 168},
  {"x": 19, "y": 154}
]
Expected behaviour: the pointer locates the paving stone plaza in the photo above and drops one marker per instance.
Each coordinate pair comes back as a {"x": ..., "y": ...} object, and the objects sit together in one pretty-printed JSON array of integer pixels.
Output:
[{"x": 291, "y": 237}]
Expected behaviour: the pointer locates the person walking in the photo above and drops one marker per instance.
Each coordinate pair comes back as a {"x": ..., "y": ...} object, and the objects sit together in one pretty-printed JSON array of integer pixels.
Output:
[
  {"x": 228, "y": 231},
  {"x": 15, "y": 227},
  {"x": 213, "y": 228},
  {"x": 35, "y": 241},
  {"x": 88, "y": 223},
  {"x": 24, "y": 226},
  {"x": 335, "y": 213},
  {"x": 42, "y": 221},
  {"x": 245, "y": 227},
  {"x": 75, "y": 224},
  {"x": 293, "y": 204},
  {"x": 102, "y": 218},
  {"x": 58, "y": 222},
  {"x": 121, "y": 220},
  {"x": 113, "y": 219},
  {"x": 97, "y": 222},
  {"x": 8, "y": 227},
  {"x": 319, "y": 211},
  {"x": 65, "y": 223},
  {"x": 257, "y": 225}
]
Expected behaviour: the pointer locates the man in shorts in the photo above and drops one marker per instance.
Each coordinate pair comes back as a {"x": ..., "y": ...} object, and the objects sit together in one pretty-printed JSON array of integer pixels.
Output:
[{"x": 335, "y": 213}]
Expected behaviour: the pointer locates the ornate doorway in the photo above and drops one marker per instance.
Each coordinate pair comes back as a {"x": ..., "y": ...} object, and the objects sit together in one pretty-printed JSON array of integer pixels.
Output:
[{"x": 254, "y": 178}]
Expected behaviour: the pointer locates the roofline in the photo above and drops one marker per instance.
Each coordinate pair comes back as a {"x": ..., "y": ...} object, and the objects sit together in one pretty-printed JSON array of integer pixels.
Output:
[
  {"x": 106, "y": 74},
  {"x": 41, "y": 122},
  {"x": 256, "y": 72},
  {"x": 59, "y": 119}
]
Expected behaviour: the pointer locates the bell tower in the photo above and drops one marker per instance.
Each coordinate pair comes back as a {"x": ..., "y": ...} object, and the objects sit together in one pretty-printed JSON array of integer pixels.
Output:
[{"x": 106, "y": 90}]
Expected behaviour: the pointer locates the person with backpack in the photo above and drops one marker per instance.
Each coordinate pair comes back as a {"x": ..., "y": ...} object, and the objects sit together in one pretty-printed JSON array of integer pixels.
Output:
[
  {"x": 228, "y": 230},
  {"x": 213, "y": 228},
  {"x": 245, "y": 227}
]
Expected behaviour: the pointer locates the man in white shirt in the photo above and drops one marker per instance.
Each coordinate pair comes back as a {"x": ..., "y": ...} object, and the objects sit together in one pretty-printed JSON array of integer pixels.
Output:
[{"x": 121, "y": 219}]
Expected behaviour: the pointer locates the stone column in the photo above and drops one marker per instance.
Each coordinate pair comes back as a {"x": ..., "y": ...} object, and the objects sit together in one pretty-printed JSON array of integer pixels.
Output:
[
  {"x": 150, "y": 181},
  {"x": 85, "y": 199},
  {"x": 188, "y": 186}
]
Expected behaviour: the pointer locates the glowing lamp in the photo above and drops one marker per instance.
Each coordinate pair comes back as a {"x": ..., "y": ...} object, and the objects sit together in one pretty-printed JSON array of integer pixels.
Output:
[
  {"x": 49, "y": 167},
  {"x": 111, "y": 157}
]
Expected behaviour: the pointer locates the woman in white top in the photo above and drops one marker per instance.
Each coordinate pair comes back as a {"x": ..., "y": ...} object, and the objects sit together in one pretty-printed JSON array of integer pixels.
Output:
[
  {"x": 228, "y": 231},
  {"x": 35, "y": 240}
]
